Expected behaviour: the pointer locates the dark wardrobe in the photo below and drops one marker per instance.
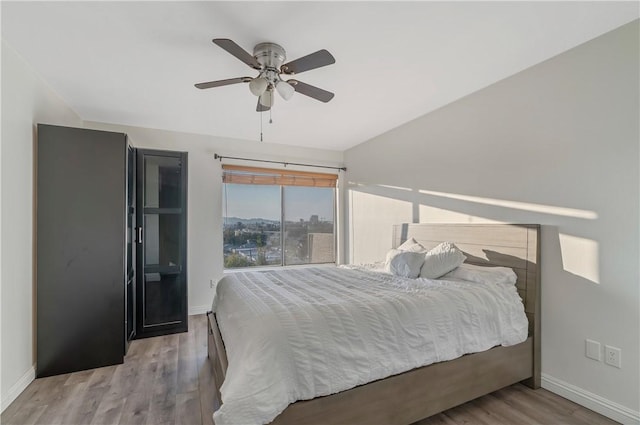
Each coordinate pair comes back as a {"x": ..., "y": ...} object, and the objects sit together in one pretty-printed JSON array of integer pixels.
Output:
[{"x": 87, "y": 236}]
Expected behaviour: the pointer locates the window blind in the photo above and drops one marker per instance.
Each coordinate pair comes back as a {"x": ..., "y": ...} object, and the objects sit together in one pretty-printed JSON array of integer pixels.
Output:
[{"x": 239, "y": 174}]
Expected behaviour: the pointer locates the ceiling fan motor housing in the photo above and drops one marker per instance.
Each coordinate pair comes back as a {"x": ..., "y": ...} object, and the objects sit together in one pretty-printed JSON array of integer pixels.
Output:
[{"x": 269, "y": 55}]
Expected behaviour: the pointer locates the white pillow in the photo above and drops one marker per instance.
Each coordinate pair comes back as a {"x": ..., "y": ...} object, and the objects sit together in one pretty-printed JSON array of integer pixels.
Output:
[
  {"x": 387, "y": 261},
  {"x": 441, "y": 260},
  {"x": 405, "y": 263},
  {"x": 481, "y": 274},
  {"x": 412, "y": 245}
]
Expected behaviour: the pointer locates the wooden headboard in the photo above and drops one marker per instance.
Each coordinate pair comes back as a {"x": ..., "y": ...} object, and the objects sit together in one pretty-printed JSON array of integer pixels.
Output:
[{"x": 510, "y": 245}]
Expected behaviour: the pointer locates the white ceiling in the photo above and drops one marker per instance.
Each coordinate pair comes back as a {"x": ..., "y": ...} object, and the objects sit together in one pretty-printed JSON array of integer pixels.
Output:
[{"x": 135, "y": 63}]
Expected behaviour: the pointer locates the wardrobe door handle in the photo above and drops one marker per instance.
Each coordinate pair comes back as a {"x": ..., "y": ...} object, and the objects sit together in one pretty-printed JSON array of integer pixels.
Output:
[{"x": 139, "y": 235}]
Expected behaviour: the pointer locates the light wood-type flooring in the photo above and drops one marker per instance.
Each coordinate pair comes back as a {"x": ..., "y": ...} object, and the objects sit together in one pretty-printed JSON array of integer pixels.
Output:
[{"x": 168, "y": 380}]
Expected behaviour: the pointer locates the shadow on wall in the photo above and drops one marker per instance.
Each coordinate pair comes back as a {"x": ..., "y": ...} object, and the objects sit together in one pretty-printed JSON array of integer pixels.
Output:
[{"x": 570, "y": 244}]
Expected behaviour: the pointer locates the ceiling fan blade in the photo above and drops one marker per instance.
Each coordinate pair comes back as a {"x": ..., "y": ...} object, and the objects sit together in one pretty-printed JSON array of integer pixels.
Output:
[
  {"x": 311, "y": 91},
  {"x": 261, "y": 107},
  {"x": 220, "y": 83},
  {"x": 306, "y": 63},
  {"x": 237, "y": 51}
]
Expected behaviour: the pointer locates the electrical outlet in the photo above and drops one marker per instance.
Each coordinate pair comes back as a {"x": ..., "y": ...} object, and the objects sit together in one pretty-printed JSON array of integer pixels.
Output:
[
  {"x": 613, "y": 356},
  {"x": 592, "y": 349}
]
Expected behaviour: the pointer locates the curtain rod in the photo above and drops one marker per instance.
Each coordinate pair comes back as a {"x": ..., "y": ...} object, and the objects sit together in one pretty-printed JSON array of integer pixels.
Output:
[{"x": 220, "y": 157}]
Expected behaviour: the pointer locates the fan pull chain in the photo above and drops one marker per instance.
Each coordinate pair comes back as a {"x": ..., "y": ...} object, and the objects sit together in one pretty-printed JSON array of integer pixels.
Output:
[
  {"x": 270, "y": 120},
  {"x": 261, "y": 126}
]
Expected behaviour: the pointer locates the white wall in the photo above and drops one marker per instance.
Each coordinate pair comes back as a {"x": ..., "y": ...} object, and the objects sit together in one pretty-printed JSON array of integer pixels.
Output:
[
  {"x": 204, "y": 204},
  {"x": 26, "y": 101},
  {"x": 557, "y": 144}
]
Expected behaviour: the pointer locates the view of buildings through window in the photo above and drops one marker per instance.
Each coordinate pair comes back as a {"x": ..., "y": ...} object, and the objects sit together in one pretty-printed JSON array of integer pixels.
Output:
[{"x": 267, "y": 225}]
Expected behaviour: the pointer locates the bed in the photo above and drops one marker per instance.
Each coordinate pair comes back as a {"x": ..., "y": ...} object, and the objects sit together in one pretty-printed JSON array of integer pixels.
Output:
[{"x": 421, "y": 392}]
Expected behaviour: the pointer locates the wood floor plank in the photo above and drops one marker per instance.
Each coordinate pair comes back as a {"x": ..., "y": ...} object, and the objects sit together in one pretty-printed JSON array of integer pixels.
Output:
[
  {"x": 589, "y": 417},
  {"x": 166, "y": 376},
  {"x": 482, "y": 416},
  {"x": 110, "y": 409},
  {"x": 162, "y": 409},
  {"x": 579, "y": 412},
  {"x": 101, "y": 377},
  {"x": 26, "y": 416},
  {"x": 209, "y": 402},
  {"x": 168, "y": 380},
  {"x": 146, "y": 349},
  {"x": 136, "y": 409},
  {"x": 463, "y": 415},
  {"x": 38, "y": 393},
  {"x": 528, "y": 404},
  {"x": 439, "y": 419},
  {"x": 187, "y": 369},
  {"x": 124, "y": 379},
  {"x": 56, "y": 410},
  {"x": 146, "y": 378},
  {"x": 200, "y": 327},
  {"x": 82, "y": 410},
  {"x": 79, "y": 377},
  {"x": 138, "y": 399},
  {"x": 188, "y": 409},
  {"x": 557, "y": 405},
  {"x": 490, "y": 403}
]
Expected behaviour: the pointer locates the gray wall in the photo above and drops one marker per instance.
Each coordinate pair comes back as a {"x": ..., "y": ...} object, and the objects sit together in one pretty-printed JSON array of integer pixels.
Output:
[{"x": 557, "y": 144}]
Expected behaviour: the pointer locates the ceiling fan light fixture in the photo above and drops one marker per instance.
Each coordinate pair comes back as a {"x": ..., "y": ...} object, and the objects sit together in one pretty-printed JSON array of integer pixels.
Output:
[
  {"x": 266, "y": 99},
  {"x": 258, "y": 86},
  {"x": 285, "y": 89}
]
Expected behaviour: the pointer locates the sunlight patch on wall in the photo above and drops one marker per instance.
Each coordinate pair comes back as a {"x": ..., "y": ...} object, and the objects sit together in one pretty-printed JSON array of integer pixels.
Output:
[
  {"x": 429, "y": 214},
  {"x": 386, "y": 186},
  {"x": 371, "y": 221},
  {"x": 580, "y": 256},
  {"x": 538, "y": 208}
]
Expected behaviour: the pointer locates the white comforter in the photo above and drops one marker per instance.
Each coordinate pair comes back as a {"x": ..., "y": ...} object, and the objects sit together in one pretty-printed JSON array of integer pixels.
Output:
[{"x": 301, "y": 333}]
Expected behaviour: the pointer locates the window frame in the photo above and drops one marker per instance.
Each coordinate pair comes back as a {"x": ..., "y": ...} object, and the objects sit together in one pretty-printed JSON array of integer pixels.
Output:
[{"x": 284, "y": 175}]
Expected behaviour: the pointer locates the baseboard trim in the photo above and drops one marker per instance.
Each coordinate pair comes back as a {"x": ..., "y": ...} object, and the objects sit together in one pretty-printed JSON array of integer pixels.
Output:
[
  {"x": 17, "y": 388},
  {"x": 199, "y": 309},
  {"x": 591, "y": 401}
]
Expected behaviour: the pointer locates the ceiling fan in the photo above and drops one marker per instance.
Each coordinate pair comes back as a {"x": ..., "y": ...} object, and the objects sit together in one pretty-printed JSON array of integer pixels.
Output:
[{"x": 268, "y": 58}]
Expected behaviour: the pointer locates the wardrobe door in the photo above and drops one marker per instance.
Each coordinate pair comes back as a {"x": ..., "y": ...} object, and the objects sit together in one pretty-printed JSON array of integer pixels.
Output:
[
  {"x": 80, "y": 249},
  {"x": 162, "y": 285}
]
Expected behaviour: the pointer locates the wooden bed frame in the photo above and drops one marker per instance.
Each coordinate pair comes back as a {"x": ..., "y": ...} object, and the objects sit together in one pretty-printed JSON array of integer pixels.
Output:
[{"x": 425, "y": 391}]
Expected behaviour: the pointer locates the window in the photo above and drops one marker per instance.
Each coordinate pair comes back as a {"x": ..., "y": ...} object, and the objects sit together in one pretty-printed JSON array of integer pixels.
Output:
[{"x": 277, "y": 217}]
